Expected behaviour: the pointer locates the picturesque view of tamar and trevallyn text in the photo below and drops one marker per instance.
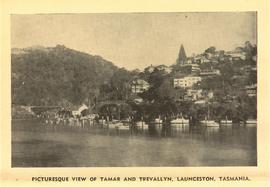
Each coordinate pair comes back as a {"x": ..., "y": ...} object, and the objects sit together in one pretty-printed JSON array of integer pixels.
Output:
[{"x": 134, "y": 89}]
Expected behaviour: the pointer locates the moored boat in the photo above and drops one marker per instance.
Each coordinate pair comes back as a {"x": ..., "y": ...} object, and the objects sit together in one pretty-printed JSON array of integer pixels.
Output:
[
  {"x": 101, "y": 121},
  {"x": 180, "y": 121},
  {"x": 123, "y": 127},
  {"x": 251, "y": 121},
  {"x": 210, "y": 123},
  {"x": 141, "y": 125},
  {"x": 158, "y": 120},
  {"x": 226, "y": 122},
  {"x": 112, "y": 125}
]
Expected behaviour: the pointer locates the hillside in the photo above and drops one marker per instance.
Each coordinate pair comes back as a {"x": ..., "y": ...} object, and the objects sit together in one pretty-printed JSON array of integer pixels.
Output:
[{"x": 56, "y": 75}]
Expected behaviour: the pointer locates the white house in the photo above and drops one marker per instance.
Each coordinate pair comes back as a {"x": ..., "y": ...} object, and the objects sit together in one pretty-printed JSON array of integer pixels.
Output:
[
  {"x": 237, "y": 54},
  {"x": 251, "y": 90},
  {"x": 139, "y": 86},
  {"x": 194, "y": 94},
  {"x": 186, "y": 82}
]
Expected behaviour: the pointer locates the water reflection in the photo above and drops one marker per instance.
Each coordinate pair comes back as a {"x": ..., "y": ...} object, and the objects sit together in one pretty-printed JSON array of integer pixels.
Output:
[
  {"x": 221, "y": 133},
  {"x": 160, "y": 144}
]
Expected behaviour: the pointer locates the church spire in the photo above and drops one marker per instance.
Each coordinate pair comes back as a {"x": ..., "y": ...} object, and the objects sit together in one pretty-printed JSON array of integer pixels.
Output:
[{"x": 182, "y": 55}]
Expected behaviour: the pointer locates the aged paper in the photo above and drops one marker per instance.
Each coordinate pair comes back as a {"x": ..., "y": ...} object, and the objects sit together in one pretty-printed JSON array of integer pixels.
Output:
[{"x": 71, "y": 125}]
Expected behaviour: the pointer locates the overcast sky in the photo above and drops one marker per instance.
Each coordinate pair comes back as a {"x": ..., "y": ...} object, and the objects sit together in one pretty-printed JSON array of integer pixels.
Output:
[{"x": 135, "y": 40}]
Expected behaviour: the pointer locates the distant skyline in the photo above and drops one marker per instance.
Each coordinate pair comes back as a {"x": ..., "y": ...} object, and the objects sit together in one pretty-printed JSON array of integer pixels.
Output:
[{"x": 135, "y": 40}]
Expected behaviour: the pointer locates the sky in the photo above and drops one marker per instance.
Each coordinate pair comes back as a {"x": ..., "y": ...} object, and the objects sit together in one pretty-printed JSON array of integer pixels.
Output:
[{"x": 135, "y": 40}]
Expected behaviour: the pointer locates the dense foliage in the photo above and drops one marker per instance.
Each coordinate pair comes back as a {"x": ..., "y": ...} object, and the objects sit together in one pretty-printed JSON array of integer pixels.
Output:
[{"x": 57, "y": 76}]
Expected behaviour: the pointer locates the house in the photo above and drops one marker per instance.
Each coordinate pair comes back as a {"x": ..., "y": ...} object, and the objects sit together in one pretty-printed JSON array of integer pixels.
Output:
[
  {"x": 190, "y": 60},
  {"x": 164, "y": 68},
  {"x": 150, "y": 68},
  {"x": 210, "y": 72},
  {"x": 209, "y": 55},
  {"x": 186, "y": 82},
  {"x": 203, "y": 59},
  {"x": 251, "y": 90},
  {"x": 194, "y": 94},
  {"x": 139, "y": 86},
  {"x": 200, "y": 102},
  {"x": 210, "y": 94},
  {"x": 192, "y": 68},
  {"x": 197, "y": 58},
  {"x": 254, "y": 58},
  {"x": 249, "y": 69},
  {"x": 138, "y": 100},
  {"x": 236, "y": 55}
]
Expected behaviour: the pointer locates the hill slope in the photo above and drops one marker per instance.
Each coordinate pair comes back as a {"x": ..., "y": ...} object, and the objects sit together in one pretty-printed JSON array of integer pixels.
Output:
[{"x": 56, "y": 75}]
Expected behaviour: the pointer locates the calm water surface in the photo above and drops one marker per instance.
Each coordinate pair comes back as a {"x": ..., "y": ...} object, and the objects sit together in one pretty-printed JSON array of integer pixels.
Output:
[{"x": 34, "y": 144}]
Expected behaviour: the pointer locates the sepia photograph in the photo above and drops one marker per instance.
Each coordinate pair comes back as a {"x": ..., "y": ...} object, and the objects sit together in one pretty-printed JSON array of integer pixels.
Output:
[{"x": 148, "y": 89}]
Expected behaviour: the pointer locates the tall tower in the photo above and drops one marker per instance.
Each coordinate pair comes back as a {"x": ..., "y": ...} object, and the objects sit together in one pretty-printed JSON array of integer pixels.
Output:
[{"x": 181, "y": 56}]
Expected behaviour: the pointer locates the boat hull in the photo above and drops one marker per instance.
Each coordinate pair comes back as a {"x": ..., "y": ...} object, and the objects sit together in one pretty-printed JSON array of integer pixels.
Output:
[
  {"x": 210, "y": 123},
  {"x": 158, "y": 121},
  {"x": 123, "y": 127},
  {"x": 180, "y": 121},
  {"x": 226, "y": 122},
  {"x": 141, "y": 125}
]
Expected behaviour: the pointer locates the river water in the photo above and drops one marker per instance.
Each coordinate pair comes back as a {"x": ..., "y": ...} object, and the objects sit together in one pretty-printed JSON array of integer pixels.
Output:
[{"x": 34, "y": 144}]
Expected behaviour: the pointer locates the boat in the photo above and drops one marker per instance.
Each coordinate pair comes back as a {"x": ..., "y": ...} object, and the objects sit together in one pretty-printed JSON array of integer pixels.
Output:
[
  {"x": 210, "y": 123},
  {"x": 226, "y": 122},
  {"x": 207, "y": 122},
  {"x": 113, "y": 125},
  {"x": 251, "y": 121},
  {"x": 180, "y": 121},
  {"x": 123, "y": 127},
  {"x": 141, "y": 125},
  {"x": 101, "y": 121},
  {"x": 158, "y": 120},
  {"x": 127, "y": 120}
]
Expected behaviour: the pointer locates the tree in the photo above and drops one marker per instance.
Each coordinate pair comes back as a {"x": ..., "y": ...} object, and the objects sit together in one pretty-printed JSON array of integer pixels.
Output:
[
  {"x": 120, "y": 84},
  {"x": 211, "y": 50},
  {"x": 156, "y": 79},
  {"x": 166, "y": 90}
]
